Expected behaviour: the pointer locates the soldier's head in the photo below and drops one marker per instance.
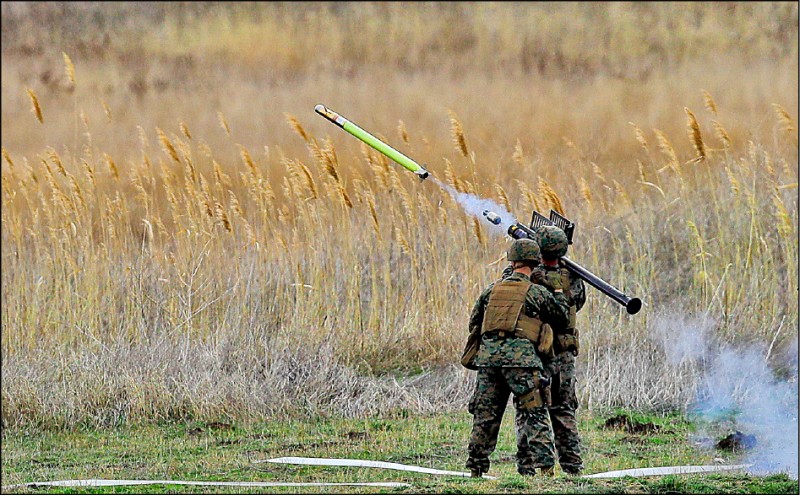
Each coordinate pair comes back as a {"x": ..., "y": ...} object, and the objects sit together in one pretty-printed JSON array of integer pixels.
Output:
[
  {"x": 523, "y": 253},
  {"x": 552, "y": 243}
]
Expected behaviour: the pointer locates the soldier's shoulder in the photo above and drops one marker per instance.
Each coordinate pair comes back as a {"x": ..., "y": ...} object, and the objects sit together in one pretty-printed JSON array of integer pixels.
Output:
[
  {"x": 488, "y": 289},
  {"x": 538, "y": 290}
]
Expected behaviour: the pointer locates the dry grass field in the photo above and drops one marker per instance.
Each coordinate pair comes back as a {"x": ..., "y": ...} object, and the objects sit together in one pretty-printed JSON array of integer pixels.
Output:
[{"x": 183, "y": 237}]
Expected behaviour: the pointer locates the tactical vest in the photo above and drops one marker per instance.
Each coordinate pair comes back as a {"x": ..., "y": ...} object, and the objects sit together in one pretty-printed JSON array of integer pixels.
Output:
[{"x": 505, "y": 315}]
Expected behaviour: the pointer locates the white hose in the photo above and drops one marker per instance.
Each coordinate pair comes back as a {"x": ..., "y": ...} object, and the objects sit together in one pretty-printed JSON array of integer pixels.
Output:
[
  {"x": 661, "y": 471},
  {"x": 315, "y": 461},
  {"x": 95, "y": 482}
]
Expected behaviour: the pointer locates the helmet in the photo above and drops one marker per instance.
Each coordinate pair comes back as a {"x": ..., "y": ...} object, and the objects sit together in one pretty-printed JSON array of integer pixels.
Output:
[
  {"x": 552, "y": 241},
  {"x": 523, "y": 250}
]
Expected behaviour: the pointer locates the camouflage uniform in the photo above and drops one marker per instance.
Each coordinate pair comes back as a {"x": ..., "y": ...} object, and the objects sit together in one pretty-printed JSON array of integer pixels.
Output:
[
  {"x": 562, "y": 374},
  {"x": 510, "y": 364},
  {"x": 561, "y": 369}
]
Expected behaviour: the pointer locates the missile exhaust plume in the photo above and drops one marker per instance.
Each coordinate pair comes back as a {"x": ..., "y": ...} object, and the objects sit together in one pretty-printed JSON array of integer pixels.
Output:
[{"x": 479, "y": 207}]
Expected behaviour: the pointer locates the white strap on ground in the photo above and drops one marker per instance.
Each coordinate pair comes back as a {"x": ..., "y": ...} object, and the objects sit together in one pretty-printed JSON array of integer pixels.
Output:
[
  {"x": 315, "y": 461},
  {"x": 662, "y": 471},
  {"x": 256, "y": 484}
]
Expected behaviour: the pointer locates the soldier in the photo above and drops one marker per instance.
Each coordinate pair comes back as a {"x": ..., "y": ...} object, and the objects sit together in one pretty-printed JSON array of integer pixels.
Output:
[
  {"x": 553, "y": 245},
  {"x": 509, "y": 346}
]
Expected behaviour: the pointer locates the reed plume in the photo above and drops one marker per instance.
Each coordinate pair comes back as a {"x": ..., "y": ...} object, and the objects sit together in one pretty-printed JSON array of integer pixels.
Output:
[
  {"x": 502, "y": 196},
  {"x": 370, "y": 198},
  {"x": 518, "y": 156},
  {"x": 721, "y": 134},
  {"x": 457, "y": 132},
  {"x": 449, "y": 173},
  {"x": 221, "y": 216},
  {"x": 295, "y": 124},
  {"x": 7, "y": 158},
  {"x": 107, "y": 110},
  {"x": 402, "y": 241},
  {"x": 37, "y": 109},
  {"x": 69, "y": 68},
  {"x": 89, "y": 172},
  {"x": 694, "y": 135},
  {"x": 666, "y": 148},
  {"x": 248, "y": 160},
  {"x": 784, "y": 118},
  {"x": 478, "y": 230},
  {"x": 639, "y": 135},
  {"x": 112, "y": 166},
  {"x": 223, "y": 122},
  {"x": 402, "y": 132},
  {"x": 709, "y": 102},
  {"x": 598, "y": 172},
  {"x": 143, "y": 137},
  {"x": 312, "y": 186},
  {"x": 330, "y": 160},
  {"x": 185, "y": 130},
  {"x": 53, "y": 156},
  {"x": 169, "y": 148}
]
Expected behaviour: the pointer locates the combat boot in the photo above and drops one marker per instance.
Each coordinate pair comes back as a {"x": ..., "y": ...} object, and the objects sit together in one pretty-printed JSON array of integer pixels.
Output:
[{"x": 571, "y": 471}]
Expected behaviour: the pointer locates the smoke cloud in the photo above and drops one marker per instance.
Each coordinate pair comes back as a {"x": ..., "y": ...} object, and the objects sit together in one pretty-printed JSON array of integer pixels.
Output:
[
  {"x": 475, "y": 206},
  {"x": 737, "y": 386}
]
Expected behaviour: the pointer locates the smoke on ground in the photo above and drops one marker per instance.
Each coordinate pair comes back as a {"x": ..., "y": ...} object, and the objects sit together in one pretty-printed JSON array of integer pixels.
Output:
[
  {"x": 475, "y": 206},
  {"x": 737, "y": 388}
]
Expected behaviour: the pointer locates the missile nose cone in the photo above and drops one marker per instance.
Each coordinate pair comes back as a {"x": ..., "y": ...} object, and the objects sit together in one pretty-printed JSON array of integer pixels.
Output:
[{"x": 320, "y": 109}]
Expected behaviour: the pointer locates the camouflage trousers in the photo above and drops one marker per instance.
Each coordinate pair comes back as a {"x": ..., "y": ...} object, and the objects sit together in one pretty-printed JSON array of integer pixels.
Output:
[
  {"x": 562, "y": 413},
  {"x": 535, "y": 444}
]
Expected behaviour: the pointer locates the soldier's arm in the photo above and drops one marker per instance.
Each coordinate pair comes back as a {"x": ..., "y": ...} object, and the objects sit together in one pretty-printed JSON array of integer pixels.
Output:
[
  {"x": 554, "y": 308},
  {"x": 577, "y": 290},
  {"x": 476, "y": 317}
]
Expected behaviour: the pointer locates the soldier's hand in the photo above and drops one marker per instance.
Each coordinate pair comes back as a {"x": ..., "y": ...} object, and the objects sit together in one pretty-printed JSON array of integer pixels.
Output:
[{"x": 554, "y": 280}]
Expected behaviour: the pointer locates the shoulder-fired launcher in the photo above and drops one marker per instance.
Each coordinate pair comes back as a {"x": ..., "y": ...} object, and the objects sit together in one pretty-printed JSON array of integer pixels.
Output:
[{"x": 520, "y": 231}]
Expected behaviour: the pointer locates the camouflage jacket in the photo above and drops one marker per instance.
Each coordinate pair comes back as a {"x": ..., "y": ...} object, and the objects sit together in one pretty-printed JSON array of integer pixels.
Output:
[{"x": 511, "y": 351}]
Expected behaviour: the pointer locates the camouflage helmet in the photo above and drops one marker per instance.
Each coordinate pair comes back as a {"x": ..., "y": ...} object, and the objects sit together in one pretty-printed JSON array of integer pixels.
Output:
[
  {"x": 523, "y": 250},
  {"x": 552, "y": 242}
]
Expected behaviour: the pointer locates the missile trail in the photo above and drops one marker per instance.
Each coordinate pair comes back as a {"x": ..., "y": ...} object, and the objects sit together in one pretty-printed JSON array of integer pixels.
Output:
[
  {"x": 476, "y": 206},
  {"x": 500, "y": 219}
]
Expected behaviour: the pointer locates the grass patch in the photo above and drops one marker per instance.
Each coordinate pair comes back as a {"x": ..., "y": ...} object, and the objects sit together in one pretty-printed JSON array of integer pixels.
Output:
[{"x": 226, "y": 452}]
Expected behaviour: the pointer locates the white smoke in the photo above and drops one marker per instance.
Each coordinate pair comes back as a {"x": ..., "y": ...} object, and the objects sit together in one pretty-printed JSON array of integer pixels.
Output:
[
  {"x": 738, "y": 385},
  {"x": 682, "y": 337},
  {"x": 475, "y": 206}
]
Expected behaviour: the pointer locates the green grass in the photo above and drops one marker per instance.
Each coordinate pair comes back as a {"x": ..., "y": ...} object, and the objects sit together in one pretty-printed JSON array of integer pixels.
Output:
[{"x": 203, "y": 452}]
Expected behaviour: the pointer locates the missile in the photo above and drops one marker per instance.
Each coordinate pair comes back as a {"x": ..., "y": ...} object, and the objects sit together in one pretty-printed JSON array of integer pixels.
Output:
[
  {"x": 492, "y": 217},
  {"x": 372, "y": 141}
]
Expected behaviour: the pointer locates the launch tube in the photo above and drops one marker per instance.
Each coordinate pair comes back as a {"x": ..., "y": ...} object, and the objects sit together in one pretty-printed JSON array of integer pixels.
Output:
[{"x": 632, "y": 304}]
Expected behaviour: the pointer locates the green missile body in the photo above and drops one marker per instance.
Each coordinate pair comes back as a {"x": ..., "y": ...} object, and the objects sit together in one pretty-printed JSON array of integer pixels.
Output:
[{"x": 372, "y": 141}]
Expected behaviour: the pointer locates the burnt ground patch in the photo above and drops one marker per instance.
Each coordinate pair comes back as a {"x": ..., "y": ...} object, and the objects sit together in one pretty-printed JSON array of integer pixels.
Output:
[{"x": 630, "y": 425}]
